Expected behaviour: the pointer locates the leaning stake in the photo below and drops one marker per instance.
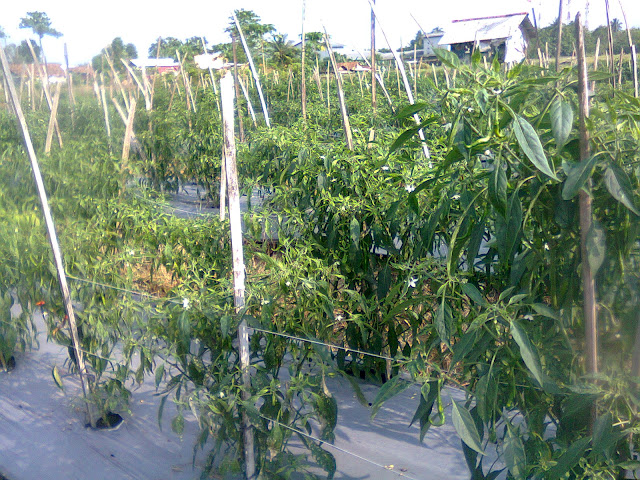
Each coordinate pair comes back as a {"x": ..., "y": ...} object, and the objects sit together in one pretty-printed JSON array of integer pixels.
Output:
[
  {"x": 53, "y": 238},
  {"x": 227, "y": 94},
  {"x": 253, "y": 71}
]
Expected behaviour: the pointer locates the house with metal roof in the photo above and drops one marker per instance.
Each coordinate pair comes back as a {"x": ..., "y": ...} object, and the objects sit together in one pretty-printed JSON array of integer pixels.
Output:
[{"x": 505, "y": 35}]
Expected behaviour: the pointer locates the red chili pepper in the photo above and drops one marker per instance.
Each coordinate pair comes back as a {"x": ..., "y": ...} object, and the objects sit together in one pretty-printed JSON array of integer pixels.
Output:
[{"x": 40, "y": 303}]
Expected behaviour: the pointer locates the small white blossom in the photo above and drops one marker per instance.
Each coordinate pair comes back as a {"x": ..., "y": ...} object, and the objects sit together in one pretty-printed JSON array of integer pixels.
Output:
[
  {"x": 455, "y": 197},
  {"x": 185, "y": 303},
  {"x": 264, "y": 301},
  {"x": 132, "y": 253},
  {"x": 288, "y": 283},
  {"x": 323, "y": 157},
  {"x": 409, "y": 188},
  {"x": 496, "y": 91},
  {"x": 528, "y": 317},
  {"x": 546, "y": 246},
  {"x": 221, "y": 394},
  {"x": 413, "y": 281},
  {"x": 339, "y": 318},
  {"x": 385, "y": 167}
]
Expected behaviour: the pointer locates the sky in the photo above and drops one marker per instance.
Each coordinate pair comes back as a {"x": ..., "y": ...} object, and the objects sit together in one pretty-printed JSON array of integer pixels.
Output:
[{"x": 87, "y": 27}]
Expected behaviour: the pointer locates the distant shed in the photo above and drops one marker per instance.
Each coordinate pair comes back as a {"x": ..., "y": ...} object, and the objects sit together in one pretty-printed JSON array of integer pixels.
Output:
[
  {"x": 162, "y": 65},
  {"x": 505, "y": 35}
]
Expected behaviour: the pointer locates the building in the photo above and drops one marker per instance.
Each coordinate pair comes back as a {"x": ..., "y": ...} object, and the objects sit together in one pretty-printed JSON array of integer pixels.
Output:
[
  {"x": 429, "y": 42},
  {"x": 214, "y": 61},
  {"x": 505, "y": 35},
  {"x": 85, "y": 73}
]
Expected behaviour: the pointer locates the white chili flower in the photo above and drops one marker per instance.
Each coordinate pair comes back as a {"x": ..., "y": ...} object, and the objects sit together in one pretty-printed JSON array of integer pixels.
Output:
[
  {"x": 413, "y": 281},
  {"x": 409, "y": 188},
  {"x": 288, "y": 283},
  {"x": 385, "y": 167},
  {"x": 264, "y": 301},
  {"x": 185, "y": 303},
  {"x": 339, "y": 318},
  {"x": 132, "y": 253},
  {"x": 455, "y": 197}
]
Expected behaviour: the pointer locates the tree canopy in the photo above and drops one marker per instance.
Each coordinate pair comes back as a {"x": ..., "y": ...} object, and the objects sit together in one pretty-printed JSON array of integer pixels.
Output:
[
  {"x": 117, "y": 51},
  {"x": 40, "y": 24},
  {"x": 170, "y": 45}
]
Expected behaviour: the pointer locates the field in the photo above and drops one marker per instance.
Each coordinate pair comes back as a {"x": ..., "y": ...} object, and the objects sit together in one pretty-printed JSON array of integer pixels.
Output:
[{"x": 498, "y": 255}]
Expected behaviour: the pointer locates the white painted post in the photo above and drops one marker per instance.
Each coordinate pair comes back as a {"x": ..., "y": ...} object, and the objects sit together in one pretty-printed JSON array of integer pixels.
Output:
[{"x": 227, "y": 96}]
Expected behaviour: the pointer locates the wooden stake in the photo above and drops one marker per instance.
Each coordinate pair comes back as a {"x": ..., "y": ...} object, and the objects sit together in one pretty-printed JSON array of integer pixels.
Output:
[
  {"x": 69, "y": 78},
  {"x": 341, "y": 100},
  {"x": 588, "y": 282},
  {"x": 227, "y": 94},
  {"x": 303, "y": 67},
  {"x": 53, "y": 238},
  {"x": 374, "y": 100},
  {"x": 52, "y": 120},
  {"x": 249, "y": 105},
  {"x": 559, "y": 45}
]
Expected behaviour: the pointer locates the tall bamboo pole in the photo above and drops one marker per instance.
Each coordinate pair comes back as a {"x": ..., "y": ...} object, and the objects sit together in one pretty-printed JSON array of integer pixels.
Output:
[
  {"x": 612, "y": 66},
  {"x": 400, "y": 66},
  {"x": 227, "y": 94},
  {"x": 588, "y": 281},
  {"x": 373, "y": 61},
  {"x": 69, "y": 79},
  {"x": 559, "y": 46},
  {"x": 253, "y": 71},
  {"x": 341, "y": 100},
  {"x": 304, "y": 72},
  {"x": 234, "y": 49},
  {"x": 52, "y": 120},
  {"x": 53, "y": 237}
]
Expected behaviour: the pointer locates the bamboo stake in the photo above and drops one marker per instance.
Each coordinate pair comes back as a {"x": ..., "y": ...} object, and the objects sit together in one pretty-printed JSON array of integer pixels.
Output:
[
  {"x": 53, "y": 238},
  {"x": 559, "y": 45},
  {"x": 52, "y": 120},
  {"x": 235, "y": 77},
  {"x": 374, "y": 74},
  {"x": 45, "y": 87},
  {"x": 69, "y": 79},
  {"x": 316, "y": 77},
  {"x": 126, "y": 146},
  {"x": 399, "y": 65},
  {"x": 611, "y": 64},
  {"x": 588, "y": 281},
  {"x": 253, "y": 71},
  {"x": 620, "y": 66},
  {"x": 303, "y": 68},
  {"x": 341, "y": 100},
  {"x": 102, "y": 99},
  {"x": 146, "y": 94},
  {"x": 116, "y": 77},
  {"x": 249, "y": 105},
  {"x": 380, "y": 81},
  {"x": 435, "y": 76},
  {"x": 227, "y": 93}
]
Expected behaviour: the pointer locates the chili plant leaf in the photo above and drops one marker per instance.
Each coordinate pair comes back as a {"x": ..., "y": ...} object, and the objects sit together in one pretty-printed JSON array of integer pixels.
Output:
[
  {"x": 528, "y": 351},
  {"x": 466, "y": 427},
  {"x": 57, "y": 378},
  {"x": 177, "y": 424},
  {"x": 619, "y": 186},
  {"x": 471, "y": 291},
  {"x": 384, "y": 282},
  {"x": 354, "y": 228},
  {"x": 498, "y": 189},
  {"x": 514, "y": 454},
  {"x": 596, "y": 247},
  {"x": 530, "y": 144},
  {"x": 409, "y": 110},
  {"x": 577, "y": 177},
  {"x": 159, "y": 374},
  {"x": 568, "y": 460},
  {"x": 402, "y": 139},
  {"x": 447, "y": 58},
  {"x": 389, "y": 390},
  {"x": 561, "y": 121}
]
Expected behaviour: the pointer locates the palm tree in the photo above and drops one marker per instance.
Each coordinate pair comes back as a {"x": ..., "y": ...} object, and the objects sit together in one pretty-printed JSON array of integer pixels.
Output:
[
  {"x": 616, "y": 25},
  {"x": 283, "y": 53},
  {"x": 40, "y": 23}
]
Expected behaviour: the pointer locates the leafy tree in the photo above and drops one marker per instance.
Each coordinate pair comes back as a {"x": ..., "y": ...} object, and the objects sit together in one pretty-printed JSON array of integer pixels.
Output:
[
  {"x": 117, "y": 51},
  {"x": 2, "y": 34},
  {"x": 167, "y": 48},
  {"x": 40, "y": 24},
  {"x": 253, "y": 30},
  {"x": 21, "y": 54}
]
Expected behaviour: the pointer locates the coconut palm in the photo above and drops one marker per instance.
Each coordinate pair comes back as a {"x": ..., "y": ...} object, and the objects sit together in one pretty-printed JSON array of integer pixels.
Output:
[
  {"x": 282, "y": 51},
  {"x": 40, "y": 24}
]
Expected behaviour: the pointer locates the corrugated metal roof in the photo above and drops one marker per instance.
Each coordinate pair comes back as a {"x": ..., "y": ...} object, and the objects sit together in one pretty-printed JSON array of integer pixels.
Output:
[
  {"x": 154, "y": 62},
  {"x": 483, "y": 29}
]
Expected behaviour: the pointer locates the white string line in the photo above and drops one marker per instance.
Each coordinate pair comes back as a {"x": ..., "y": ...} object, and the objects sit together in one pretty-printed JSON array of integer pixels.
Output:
[
  {"x": 335, "y": 447},
  {"x": 317, "y": 342},
  {"x": 271, "y": 332},
  {"x": 124, "y": 290}
]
